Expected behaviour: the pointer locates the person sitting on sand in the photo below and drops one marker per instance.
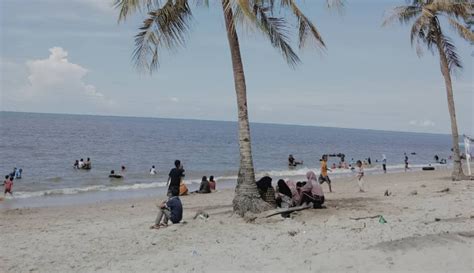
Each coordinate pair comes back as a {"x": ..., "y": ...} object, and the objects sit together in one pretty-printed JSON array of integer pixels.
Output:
[
  {"x": 323, "y": 177},
  {"x": 153, "y": 170},
  {"x": 183, "y": 189},
  {"x": 312, "y": 192},
  {"x": 360, "y": 176},
  {"x": 172, "y": 210},
  {"x": 295, "y": 194},
  {"x": 114, "y": 175},
  {"x": 212, "y": 183},
  {"x": 267, "y": 192},
  {"x": 204, "y": 187},
  {"x": 284, "y": 195},
  {"x": 8, "y": 185}
]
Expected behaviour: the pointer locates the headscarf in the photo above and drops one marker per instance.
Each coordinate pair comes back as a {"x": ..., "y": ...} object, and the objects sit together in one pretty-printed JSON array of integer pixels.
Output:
[
  {"x": 316, "y": 188},
  {"x": 264, "y": 183},
  {"x": 296, "y": 197},
  {"x": 284, "y": 189}
]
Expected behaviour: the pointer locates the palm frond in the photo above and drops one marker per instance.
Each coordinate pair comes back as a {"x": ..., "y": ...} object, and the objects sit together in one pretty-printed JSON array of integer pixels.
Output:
[
  {"x": 276, "y": 30},
  {"x": 449, "y": 49},
  {"x": 128, "y": 7},
  {"x": 305, "y": 26},
  {"x": 454, "y": 8},
  {"x": 164, "y": 27},
  {"x": 404, "y": 14},
  {"x": 462, "y": 30}
]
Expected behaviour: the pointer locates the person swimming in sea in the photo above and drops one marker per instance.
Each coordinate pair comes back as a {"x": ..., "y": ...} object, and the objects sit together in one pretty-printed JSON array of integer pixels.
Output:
[
  {"x": 114, "y": 175},
  {"x": 292, "y": 161}
]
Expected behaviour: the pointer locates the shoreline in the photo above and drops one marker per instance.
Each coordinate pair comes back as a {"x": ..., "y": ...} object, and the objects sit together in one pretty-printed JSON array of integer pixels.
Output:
[
  {"x": 99, "y": 193},
  {"x": 427, "y": 230}
]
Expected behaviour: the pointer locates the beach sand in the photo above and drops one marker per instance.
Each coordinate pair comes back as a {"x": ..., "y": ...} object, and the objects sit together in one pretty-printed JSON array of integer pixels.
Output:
[{"x": 426, "y": 230}]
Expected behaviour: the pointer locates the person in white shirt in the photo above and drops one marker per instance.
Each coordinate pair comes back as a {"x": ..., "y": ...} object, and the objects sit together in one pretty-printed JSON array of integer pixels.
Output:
[
  {"x": 360, "y": 176},
  {"x": 153, "y": 170},
  {"x": 81, "y": 164}
]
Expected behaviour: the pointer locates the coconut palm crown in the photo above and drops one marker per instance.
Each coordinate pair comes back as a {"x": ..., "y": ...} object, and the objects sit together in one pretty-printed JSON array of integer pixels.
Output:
[
  {"x": 166, "y": 26},
  {"x": 427, "y": 17}
]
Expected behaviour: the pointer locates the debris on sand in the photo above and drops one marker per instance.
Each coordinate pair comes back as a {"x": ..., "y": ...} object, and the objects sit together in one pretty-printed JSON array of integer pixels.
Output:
[{"x": 414, "y": 192}]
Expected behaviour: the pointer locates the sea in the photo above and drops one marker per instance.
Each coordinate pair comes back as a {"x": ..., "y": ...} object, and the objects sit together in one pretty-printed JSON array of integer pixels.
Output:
[{"x": 46, "y": 146}]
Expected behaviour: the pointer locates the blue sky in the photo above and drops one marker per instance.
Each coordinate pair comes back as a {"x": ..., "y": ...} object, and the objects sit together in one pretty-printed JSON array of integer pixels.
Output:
[{"x": 72, "y": 57}]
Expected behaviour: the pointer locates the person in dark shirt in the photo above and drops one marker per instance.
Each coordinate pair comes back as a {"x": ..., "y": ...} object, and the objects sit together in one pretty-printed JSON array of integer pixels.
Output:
[
  {"x": 205, "y": 186},
  {"x": 175, "y": 176},
  {"x": 172, "y": 210}
]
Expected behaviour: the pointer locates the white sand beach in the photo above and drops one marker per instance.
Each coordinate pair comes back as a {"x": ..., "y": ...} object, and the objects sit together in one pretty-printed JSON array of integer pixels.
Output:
[{"x": 427, "y": 230}]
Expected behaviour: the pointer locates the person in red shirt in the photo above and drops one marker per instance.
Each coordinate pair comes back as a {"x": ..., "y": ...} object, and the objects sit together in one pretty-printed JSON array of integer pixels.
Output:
[
  {"x": 8, "y": 184},
  {"x": 212, "y": 183}
]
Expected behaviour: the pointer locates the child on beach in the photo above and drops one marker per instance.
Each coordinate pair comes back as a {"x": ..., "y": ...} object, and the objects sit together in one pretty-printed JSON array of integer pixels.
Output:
[
  {"x": 172, "y": 209},
  {"x": 212, "y": 183},
  {"x": 8, "y": 184},
  {"x": 323, "y": 177},
  {"x": 360, "y": 176}
]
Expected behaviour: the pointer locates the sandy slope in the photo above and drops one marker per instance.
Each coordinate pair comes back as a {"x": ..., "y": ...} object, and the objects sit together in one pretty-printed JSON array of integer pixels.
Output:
[{"x": 115, "y": 236}]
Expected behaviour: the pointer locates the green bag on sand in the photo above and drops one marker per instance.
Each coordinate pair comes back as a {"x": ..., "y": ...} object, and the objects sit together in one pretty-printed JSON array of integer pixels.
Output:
[{"x": 382, "y": 220}]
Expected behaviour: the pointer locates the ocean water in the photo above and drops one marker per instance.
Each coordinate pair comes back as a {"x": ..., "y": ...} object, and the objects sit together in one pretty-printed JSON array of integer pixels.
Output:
[{"x": 45, "y": 146}]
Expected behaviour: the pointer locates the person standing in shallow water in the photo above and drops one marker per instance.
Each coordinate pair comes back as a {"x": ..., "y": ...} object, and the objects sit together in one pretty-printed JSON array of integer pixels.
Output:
[
  {"x": 384, "y": 163},
  {"x": 406, "y": 162},
  {"x": 175, "y": 176}
]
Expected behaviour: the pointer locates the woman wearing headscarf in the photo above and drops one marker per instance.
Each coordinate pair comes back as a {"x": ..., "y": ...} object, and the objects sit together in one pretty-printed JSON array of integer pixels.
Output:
[
  {"x": 284, "y": 195},
  {"x": 296, "y": 196},
  {"x": 267, "y": 192},
  {"x": 312, "y": 192},
  {"x": 204, "y": 187}
]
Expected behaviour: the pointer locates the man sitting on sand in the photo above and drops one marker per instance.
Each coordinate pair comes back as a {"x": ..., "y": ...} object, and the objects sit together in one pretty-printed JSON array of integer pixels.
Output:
[{"x": 172, "y": 209}]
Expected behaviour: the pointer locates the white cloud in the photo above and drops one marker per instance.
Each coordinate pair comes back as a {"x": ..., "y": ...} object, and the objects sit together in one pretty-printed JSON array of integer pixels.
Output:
[
  {"x": 422, "y": 123},
  {"x": 57, "y": 85}
]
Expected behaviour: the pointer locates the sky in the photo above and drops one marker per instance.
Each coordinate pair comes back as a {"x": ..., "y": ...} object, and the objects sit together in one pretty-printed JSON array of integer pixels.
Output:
[{"x": 73, "y": 57}]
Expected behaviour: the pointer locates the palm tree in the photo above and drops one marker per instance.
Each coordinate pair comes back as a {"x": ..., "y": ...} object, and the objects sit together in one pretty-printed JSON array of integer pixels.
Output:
[
  {"x": 426, "y": 30},
  {"x": 166, "y": 26}
]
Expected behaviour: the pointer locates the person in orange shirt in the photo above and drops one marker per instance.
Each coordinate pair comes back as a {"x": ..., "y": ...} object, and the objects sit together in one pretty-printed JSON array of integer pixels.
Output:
[{"x": 323, "y": 177}]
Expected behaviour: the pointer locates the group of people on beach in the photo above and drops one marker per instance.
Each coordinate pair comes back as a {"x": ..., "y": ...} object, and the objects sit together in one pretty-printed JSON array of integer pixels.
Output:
[
  {"x": 172, "y": 209},
  {"x": 81, "y": 165}
]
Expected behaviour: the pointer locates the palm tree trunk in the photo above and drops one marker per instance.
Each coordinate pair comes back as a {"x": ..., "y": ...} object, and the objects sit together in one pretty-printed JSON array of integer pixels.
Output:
[
  {"x": 457, "y": 173},
  {"x": 247, "y": 197}
]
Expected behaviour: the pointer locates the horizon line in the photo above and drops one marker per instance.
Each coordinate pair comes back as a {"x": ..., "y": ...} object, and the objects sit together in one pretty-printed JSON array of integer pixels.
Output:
[{"x": 214, "y": 120}]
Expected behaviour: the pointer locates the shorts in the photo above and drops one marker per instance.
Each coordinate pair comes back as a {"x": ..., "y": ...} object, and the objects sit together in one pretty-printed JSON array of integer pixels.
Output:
[
  {"x": 323, "y": 179},
  {"x": 8, "y": 191}
]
